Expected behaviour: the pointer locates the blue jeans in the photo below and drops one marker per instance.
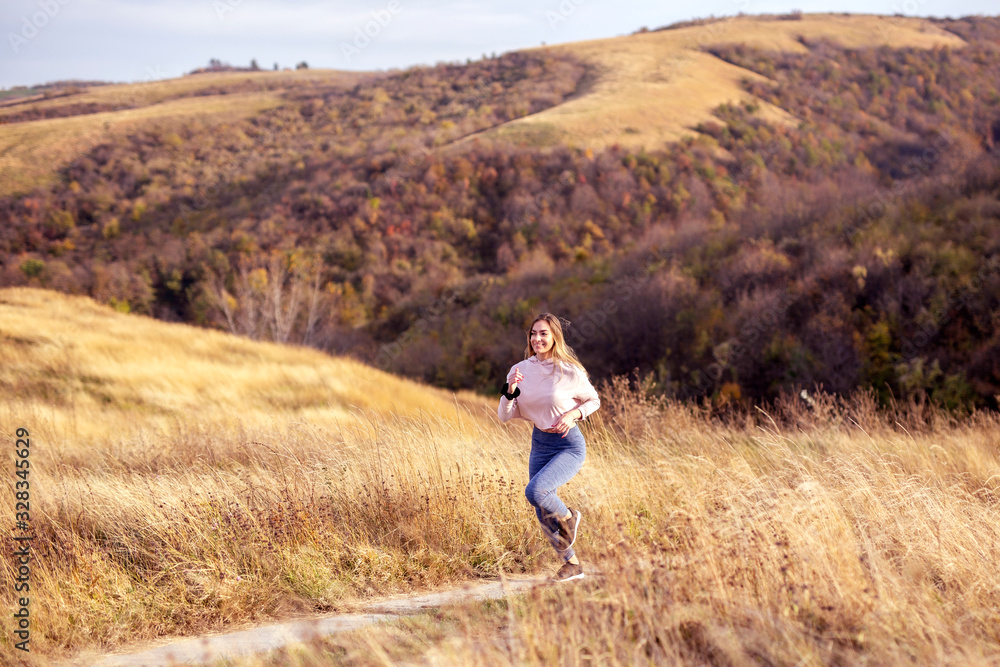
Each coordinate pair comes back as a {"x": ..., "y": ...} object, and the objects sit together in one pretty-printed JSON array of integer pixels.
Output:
[{"x": 554, "y": 460}]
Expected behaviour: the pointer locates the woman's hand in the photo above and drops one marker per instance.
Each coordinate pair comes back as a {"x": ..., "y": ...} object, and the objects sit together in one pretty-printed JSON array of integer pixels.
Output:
[
  {"x": 514, "y": 380},
  {"x": 567, "y": 421}
]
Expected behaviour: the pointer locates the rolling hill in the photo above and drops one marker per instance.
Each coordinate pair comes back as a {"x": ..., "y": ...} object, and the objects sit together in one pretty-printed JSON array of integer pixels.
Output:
[
  {"x": 59, "y": 130},
  {"x": 95, "y": 372},
  {"x": 184, "y": 482},
  {"x": 819, "y": 207},
  {"x": 656, "y": 87},
  {"x": 648, "y": 89},
  {"x": 808, "y": 200}
]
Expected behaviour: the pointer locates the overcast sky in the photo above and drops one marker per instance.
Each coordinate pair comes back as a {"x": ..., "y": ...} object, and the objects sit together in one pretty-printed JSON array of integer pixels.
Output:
[{"x": 137, "y": 40}]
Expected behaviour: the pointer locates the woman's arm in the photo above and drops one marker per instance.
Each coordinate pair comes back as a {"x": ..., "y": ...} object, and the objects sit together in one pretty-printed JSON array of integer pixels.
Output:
[
  {"x": 508, "y": 409},
  {"x": 587, "y": 402},
  {"x": 587, "y": 396}
]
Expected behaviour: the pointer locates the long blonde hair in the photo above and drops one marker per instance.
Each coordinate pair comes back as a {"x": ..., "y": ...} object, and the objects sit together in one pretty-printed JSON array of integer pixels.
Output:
[{"x": 561, "y": 352}]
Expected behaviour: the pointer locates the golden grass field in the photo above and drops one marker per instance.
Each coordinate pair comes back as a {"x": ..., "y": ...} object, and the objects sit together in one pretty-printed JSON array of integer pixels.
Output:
[
  {"x": 185, "y": 481},
  {"x": 656, "y": 87},
  {"x": 31, "y": 152}
]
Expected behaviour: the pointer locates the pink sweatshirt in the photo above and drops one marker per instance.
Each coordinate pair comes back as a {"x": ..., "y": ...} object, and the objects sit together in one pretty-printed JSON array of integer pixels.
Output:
[{"x": 545, "y": 397}]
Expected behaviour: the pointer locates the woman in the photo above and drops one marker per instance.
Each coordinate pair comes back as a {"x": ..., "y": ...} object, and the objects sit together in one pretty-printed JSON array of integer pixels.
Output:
[{"x": 551, "y": 389}]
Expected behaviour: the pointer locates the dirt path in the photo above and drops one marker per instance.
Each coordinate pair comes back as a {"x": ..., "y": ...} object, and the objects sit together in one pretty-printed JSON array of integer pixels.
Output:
[{"x": 198, "y": 650}]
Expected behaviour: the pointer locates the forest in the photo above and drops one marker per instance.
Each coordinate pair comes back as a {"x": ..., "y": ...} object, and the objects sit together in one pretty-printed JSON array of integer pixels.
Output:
[{"x": 859, "y": 249}]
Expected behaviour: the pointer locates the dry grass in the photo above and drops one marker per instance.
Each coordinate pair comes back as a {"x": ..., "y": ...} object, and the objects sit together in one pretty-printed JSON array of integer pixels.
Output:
[
  {"x": 32, "y": 152},
  {"x": 155, "y": 92},
  {"x": 184, "y": 479},
  {"x": 222, "y": 483},
  {"x": 80, "y": 359},
  {"x": 830, "y": 536},
  {"x": 656, "y": 87}
]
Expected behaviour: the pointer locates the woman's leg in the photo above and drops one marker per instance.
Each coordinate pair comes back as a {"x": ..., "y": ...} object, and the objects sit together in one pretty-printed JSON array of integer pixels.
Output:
[{"x": 554, "y": 461}]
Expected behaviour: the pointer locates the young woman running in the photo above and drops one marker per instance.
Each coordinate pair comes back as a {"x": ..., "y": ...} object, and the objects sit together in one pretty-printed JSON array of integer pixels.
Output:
[{"x": 551, "y": 389}]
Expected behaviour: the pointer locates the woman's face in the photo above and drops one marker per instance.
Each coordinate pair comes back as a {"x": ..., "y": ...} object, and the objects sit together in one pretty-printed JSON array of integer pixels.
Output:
[{"x": 541, "y": 338}]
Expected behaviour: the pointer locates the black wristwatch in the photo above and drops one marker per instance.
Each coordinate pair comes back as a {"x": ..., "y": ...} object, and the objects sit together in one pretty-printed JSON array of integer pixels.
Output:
[{"x": 507, "y": 395}]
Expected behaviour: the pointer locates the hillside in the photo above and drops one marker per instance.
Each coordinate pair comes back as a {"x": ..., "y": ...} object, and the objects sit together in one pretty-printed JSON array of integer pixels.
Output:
[
  {"x": 656, "y": 87},
  {"x": 97, "y": 373},
  {"x": 647, "y": 89},
  {"x": 37, "y": 137},
  {"x": 186, "y": 482},
  {"x": 834, "y": 224},
  {"x": 182, "y": 479}
]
